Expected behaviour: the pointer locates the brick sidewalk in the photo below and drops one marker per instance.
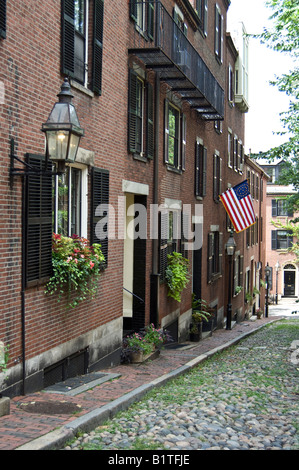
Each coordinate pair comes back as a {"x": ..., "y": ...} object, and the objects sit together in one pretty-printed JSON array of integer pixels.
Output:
[{"x": 20, "y": 426}]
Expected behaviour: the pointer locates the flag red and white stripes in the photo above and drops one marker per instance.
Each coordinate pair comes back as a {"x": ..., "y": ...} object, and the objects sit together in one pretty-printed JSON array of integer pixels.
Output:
[{"x": 238, "y": 204}]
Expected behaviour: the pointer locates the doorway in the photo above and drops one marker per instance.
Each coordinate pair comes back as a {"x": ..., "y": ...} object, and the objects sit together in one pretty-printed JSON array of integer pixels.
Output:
[
  {"x": 289, "y": 283},
  {"x": 134, "y": 264}
]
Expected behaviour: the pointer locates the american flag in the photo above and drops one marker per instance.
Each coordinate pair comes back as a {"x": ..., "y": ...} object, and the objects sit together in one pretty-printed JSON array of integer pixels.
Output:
[{"x": 238, "y": 204}]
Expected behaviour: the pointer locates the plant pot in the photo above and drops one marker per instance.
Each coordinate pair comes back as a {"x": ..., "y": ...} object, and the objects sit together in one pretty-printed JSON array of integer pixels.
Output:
[
  {"x": 195, "y": 337},
  {"x": 138, "y": 356}
]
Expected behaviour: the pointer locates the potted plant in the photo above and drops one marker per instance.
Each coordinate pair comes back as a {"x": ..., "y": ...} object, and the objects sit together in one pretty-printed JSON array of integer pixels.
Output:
[
  {"x": 249, "y": 298},
  {"x": 259, "y": 313},
  {"x": 76, "y": 268},
  {"x": 177, "y": 276},
  {"x": 146, "y": 343},
  {"x": 256, "y": 291},
  {"x": 201, "y": 313}
]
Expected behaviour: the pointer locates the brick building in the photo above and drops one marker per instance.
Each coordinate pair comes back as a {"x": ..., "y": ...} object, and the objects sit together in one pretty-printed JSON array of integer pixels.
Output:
[
  {"x": 284, "y": 279},
  {"x": 160, "y": 91}
]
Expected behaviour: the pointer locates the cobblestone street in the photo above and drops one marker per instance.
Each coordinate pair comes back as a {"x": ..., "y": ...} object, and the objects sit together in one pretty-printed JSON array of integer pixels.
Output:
[{"x": 243, "y": 398}]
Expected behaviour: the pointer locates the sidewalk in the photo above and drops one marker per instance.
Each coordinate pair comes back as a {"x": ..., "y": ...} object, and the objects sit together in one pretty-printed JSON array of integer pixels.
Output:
[{"x": 30, "y": 427}]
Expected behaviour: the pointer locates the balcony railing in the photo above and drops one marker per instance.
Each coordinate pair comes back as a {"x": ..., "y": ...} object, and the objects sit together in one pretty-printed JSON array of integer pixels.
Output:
[{"x": 163, "y": 46}]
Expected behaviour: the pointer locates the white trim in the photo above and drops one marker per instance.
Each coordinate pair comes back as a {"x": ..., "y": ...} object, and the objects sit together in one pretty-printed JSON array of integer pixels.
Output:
[{"x": 135, "y": 188}]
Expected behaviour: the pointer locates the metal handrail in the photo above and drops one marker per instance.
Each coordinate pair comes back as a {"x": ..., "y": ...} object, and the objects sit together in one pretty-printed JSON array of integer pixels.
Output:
[{"x": 139, "y": 298}]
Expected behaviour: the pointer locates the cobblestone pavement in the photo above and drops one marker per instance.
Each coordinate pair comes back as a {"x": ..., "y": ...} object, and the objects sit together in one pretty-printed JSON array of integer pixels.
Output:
[
  {"x": 245, "y": 398},
  {"x": 28, "y": 430}
]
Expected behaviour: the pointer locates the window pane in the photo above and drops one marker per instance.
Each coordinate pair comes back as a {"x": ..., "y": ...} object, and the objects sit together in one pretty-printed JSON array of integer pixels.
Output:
[
  {"x": 173, "y": 119},
  {"x": 75, "y": 201},
  {"x": 63, "y": 203},
  {"x": 79, "y": 15}
]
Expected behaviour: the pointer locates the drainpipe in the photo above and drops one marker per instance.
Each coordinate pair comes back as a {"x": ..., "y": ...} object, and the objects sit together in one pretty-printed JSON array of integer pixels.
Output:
[
  {"x": 23, "y": 284},
  {"x": 155, "y": 276}
]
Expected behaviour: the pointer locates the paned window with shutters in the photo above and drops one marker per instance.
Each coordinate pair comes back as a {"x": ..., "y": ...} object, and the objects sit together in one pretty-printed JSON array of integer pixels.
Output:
[
  {"x": 215, "y": 247},
  {"x": 3, "y": 19},
  {"x": 237, "y": 273},
  {"x": 82, "y": 29},
  {"x": 141, "y": 116},
  {"x": 280, "y": 208},
  {"x": 38, "y": 227},
  {"x": 174, "y": 137},
  {"x": 174, "y": 225},
  {"x": 217, "y": 178},
  {"x": 100, "y": 209},
  {"x": 281, "y": 239},
  {"x": 143, "y": 14},
  {"x": 200, "y": 170}
]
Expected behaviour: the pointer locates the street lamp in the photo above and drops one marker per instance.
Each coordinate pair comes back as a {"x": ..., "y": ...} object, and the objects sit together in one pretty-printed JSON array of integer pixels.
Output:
[
  {"x": 230, "y": 249},
  {"x": 62, "y": 129},
  {"x": 63, "y": 134},
  {"x": 277, "y": 266},
  {"x": 267, "y": 273}
]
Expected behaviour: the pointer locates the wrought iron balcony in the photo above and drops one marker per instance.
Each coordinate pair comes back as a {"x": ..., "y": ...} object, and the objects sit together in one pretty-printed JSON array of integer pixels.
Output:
[{"x": 163, "y": 46}]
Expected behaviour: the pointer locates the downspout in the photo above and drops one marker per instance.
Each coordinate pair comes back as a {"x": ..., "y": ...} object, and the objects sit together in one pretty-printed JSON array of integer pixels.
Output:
[
  {"x": 155, "y": 276},
  {"x": 23, "y": 283}
]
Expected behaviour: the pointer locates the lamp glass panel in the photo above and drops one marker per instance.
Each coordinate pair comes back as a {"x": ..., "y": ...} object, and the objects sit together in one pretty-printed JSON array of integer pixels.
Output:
[
  {"x": 74, "y": 143},
  {"x": 57, "y": 144}
]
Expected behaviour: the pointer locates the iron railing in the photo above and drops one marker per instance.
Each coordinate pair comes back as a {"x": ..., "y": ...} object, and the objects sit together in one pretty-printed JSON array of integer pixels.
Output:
[{"x": 156, "y": 32}]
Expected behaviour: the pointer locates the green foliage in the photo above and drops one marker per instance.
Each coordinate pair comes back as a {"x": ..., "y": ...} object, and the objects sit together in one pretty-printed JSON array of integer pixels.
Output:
[
  {"x": 177, "y": 275},
  {"x": 291, "y": 226},
  {"x": 4, "y": 358},
  {"x": 76, "y": 268},
  {"x": 283, "y": 36}
]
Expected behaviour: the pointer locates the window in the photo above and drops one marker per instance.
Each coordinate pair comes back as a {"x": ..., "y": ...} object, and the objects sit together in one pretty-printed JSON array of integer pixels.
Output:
[
  {"x": 77, "y": 37},
  {"x": 171, "y": 236},
  {"x": 230, "y": 150},
  {"x": 175, "y": 137},
  {"x": 214, "y": 255},
  {"x": 218, "y": 34},
  {"x": 142, "y": 13},
  {"x": 217, "y": 178},
  {"x": 202, "y": 11},
  {"x": 200, "y": 169},
  {"x": 141, "y": 116},
  {"x": 281, "y": 239},
  {"x": 238, "y": 273},
  {"x": 280, "y": 208},
  {"x": 69, "y": 204},
  {"x": 3, "y": 19}
]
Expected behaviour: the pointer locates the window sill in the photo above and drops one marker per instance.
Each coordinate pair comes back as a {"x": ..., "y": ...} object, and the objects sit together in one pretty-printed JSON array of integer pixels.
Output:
[
  {"x": 140, "y": 158},
  {"x": 174, "y": 170},
  {"x": 215, "y": 278},
  {"x": 82, "y": 88}
]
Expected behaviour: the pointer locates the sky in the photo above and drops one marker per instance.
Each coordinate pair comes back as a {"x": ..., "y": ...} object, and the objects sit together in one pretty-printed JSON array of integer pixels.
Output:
[{"x": 265, "y": 101}]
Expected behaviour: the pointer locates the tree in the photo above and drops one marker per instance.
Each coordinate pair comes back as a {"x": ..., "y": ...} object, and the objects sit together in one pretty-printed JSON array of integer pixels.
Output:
[{"x": 283, "y": 36}]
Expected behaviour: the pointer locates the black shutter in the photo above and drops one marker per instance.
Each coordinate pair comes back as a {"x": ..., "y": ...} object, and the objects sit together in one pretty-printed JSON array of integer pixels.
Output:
[
  {"x": 132, "y": 127},
  {"x": 68, "y": 37},
  {"x": 100, "y": 195},
  {"x": 98, "y": 26},
  {"x": 3, "y": 19},
  {"x": 274, "y": 208},
  {"x": 38, "y": 233},
  {"x": 150, "y": 122},
  {"x": 210, "y": 256},
  {"x": 274, "y": 239}
]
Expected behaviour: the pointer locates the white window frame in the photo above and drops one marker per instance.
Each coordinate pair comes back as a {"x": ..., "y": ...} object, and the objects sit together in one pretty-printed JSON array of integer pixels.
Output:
[{"x": 84, "y": 202}]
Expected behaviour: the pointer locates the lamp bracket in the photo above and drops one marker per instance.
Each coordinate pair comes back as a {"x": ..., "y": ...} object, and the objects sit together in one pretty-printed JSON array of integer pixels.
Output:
[{"x": 28, "y": 170}]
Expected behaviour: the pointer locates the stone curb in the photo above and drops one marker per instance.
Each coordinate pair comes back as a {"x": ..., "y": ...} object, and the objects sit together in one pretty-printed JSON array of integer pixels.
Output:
[{"x": 55, "y": 440}]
